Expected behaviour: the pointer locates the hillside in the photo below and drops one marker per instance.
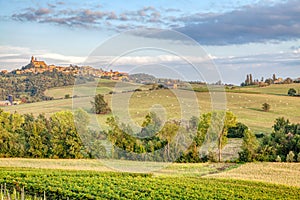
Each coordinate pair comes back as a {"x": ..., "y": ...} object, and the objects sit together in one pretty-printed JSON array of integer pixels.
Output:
[
  {"x": 274, "y": 89},
  {"x": 246, "y": 105}
]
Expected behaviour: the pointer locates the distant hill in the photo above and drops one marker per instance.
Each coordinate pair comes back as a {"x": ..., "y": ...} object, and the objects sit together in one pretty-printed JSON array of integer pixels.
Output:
[
  {"x": 142, "y": 78},
  {"x": 30, "y": 87}
]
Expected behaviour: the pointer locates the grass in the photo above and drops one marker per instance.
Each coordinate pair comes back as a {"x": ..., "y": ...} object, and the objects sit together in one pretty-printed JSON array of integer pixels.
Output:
[
  {"x": 158, "y": 169},
  {"x": 99, "y": 86},
  {"x": 132, "y": 107},
  {"x": 280, "y": 173},
  {"x": 274, "y": 89}
]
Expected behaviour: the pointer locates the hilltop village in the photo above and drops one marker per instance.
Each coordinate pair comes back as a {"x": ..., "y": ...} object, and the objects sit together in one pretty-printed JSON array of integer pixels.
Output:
[
  {"x": 29, "y": 83},
  {"x": 38, "y": 66}
]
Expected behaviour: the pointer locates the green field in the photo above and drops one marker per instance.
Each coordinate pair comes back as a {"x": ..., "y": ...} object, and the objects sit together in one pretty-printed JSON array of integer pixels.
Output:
[
  {"x": 100, "y": 86},
  {"x": 246, "y": 106},
  {"x": 90, "y": 179},
  {"x": 275, "y": 89}
]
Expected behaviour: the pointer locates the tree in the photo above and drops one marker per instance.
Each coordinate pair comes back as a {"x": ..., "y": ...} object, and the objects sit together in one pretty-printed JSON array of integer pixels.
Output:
[
  {"x": 229, "y": 121},
  {"x": 290, "y": 157},
  {"x": 237, "y": 131},
  {"x": 274, "y": 77},
  {"x": 266, "y": 107},
  {"x": 217, "y": 124},
  {"x": 168, "y": 132},
  {"x": 65, "y": 140},
  {"x": 249, "y": 147},
  {"x": 278, "y": 158},
  {"x": 99, "y": 106},
  {"x": 282, "y": 125},
  {"x": 292, "y": 92},
  {"x": 37, "y": 136},
  {"x": 251, "y": 80}
]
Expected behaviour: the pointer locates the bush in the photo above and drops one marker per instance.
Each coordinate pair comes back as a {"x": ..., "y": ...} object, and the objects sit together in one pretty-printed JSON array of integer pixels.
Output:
[
  {"x": 278, "y": 159},
  {"x": 292, "y": 92},
  {"x": 298, "y": 157},
  {"x": 290, "y": 157},
  {"x": 237, "y": 131},
  {"x": 99, "y": 106},
  {"x": 259, "y": 135},
  {"x": 266, "y": 107}
]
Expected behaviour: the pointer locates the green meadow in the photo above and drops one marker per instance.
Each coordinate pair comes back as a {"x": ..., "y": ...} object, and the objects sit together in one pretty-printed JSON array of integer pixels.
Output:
[{"x": 173, "y": 104}]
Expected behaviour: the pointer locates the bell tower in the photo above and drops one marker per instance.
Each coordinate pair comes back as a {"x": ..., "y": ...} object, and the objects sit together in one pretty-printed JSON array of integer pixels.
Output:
[{"x": 32, "y": 59}]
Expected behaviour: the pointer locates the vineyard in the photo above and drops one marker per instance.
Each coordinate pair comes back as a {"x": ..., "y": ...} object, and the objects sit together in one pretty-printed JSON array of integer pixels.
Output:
[{"x": 64, "y": 184}]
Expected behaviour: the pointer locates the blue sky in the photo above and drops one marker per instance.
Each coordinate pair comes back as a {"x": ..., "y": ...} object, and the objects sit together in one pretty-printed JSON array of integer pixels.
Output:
[{"x": 250, "y": 36}]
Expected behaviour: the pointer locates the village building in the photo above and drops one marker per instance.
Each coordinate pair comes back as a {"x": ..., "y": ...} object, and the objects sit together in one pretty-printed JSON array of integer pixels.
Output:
[{"x": 37, "y": 64}]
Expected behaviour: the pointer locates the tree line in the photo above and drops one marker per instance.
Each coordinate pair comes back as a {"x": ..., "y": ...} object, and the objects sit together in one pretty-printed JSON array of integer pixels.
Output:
[
  {"x": 66, "y": 135},
  {"x": 42, "y": 137}
]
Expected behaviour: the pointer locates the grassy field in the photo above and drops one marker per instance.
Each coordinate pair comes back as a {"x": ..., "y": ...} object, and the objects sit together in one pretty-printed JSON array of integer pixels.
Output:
[
  {"x": 155, "y": 168},
  {"x": 275, "y": 89},
  {"x": 99, "y": 86},
  {"x": 174, "y": 103},
  {"x": 280, "y": 173}
]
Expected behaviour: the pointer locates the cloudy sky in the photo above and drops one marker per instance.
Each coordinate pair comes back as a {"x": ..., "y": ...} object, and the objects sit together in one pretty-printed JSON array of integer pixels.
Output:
[{"x": 261, "y": 37}]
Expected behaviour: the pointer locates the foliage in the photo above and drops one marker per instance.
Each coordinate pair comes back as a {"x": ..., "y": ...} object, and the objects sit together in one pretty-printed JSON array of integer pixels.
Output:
[
  {"x": 249, "y": 147},
  {"x": 99, "y": 106},
  {"x": 284, "y": 139},
  {"x": 212, "y": 130},
  {"x": 278, "y": 159},
  {"x": 220, "y": 123},
  {"x": 237, "y": 131},
  {"x": 63, "y": 184},
  {"x": 292, "y": 92},
  {"x": 31, "y": 87},
  {"x": 41, "y": 137},
  {"x": 64, "y": 137},
  {"x": 153, "y": 139},
  {"x": 290, "y": 157},
  {"x": 266, "y": 107}
]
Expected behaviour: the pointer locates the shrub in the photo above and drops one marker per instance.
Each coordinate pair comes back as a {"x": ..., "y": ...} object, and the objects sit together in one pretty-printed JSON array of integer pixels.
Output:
[
  {"x": 237, "y": 131},
  {"x": 99, "y": 106},
  {"x": 298, "y": 157},
  {"x": 292, "y": 92},
  {"x": 278, "y": 159},
  {"x": 259, "y": 135},
  {"x": 266, "y": 107},
  {"x": 290, "y": 157}
]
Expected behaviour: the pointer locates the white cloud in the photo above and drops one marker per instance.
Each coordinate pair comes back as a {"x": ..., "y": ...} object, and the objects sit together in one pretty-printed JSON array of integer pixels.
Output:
[
  {"x": 12, "y": 57},
  {"x": 146, "y": 60}
]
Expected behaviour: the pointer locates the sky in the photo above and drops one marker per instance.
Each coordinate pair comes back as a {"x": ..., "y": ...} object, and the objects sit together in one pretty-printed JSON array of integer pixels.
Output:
[{"x": 261, "y": 37}]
